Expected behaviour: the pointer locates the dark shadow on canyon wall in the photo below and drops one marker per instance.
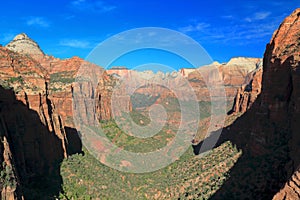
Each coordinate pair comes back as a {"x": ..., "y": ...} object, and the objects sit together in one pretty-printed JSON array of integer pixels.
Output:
[
  {"x": 74, "y": 141},
  {"x": 264, "y": 137},
  {"x": 36, "y": 153}
]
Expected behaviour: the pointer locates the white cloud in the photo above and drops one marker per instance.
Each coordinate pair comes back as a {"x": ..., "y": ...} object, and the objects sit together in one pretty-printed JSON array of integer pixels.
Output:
[
  {"x": 37, "y": 21},
  {"x": 196, "y": 27},
  {"x": 258, "y": 16},
  {"x": 92, "y": 6},
  {"x": 75, "y": 43},
  {"x": 237, "y": 32}
]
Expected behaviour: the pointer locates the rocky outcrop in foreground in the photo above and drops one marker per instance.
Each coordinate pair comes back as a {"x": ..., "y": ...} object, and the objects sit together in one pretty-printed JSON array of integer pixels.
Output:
[{"x": 291, "y": 189}]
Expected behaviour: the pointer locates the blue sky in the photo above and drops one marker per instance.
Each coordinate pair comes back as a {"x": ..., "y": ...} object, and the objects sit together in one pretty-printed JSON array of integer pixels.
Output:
[{"x": 65, "y": 28}]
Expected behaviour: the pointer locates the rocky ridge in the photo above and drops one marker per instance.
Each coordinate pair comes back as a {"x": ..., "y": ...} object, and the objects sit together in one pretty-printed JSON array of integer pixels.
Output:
[{"x": 231, "y": 76}]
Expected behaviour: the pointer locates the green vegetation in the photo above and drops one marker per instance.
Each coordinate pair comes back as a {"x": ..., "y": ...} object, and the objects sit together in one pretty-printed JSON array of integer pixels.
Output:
[
  {"x": 63, "y": 77},
  {"x": 8, "y": 83},
  {"x": 134, "y": 144},
  {"x": 54, "y": 89},
  {"x": 16, "y": 79},
  {"x": 7, "y": 178},
  {"x": 139, "y": 100},
  {"x": 191, "y": 177}
]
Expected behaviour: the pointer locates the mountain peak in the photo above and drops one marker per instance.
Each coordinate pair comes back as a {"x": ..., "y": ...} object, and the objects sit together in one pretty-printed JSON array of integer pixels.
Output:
[
  {"x": 21, "y": 36},
  {"x": 25, "y": 45}
]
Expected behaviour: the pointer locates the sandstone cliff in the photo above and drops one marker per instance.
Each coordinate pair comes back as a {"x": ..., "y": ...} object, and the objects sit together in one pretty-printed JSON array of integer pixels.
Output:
[
  {"x": 33, "y": 129},
  {"x": 247, "y": 94},
  {"x": 268, "y": 133},
  {"x": 282, "y": 65},
  {"x": 29, "y": 150},
  {"x": 60, "y": 75},
  {"x": 232, "y": 75}
]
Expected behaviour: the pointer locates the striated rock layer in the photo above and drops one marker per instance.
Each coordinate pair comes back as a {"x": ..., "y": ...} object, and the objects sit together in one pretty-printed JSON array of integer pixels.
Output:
[
  {"x": 247, "y": 94},
  {"x": 231, "y": 76},
  {"x": 33, "y": 130},
  {"x": 29, "y": 150}
]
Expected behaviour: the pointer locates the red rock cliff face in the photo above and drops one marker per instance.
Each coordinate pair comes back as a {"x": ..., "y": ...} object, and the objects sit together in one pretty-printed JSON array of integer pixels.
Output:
[
  {"x": 247, "y": 94},
  {"x": 276, "y": 112},
  {"x": 35, "y": 132},
  {"x": 281, "y": 80},
  {"x": 282, "y": 91},
  {"x": 30, "y": 82},
  {"x": 104, "y": 98},
  {"x": 60, "y": 76},
  {"x": 268, "y": 133},
  {"x": 29, "y": 149}
]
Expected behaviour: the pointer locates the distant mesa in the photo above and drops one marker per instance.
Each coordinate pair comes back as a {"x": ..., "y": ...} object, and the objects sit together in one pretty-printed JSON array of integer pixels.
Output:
[
  {"x": 25, "y": 45},
  {"x": 118, "y": 68},
  {"x": 215, "y": 63},
  {"x": 118, "y": 71},
  {"x": 186, "y": 71},
  {"x": 243, "y": 61}
]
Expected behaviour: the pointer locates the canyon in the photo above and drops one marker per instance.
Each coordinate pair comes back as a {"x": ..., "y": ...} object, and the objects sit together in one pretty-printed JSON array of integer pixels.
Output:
[{"x": 37, "y": 93}]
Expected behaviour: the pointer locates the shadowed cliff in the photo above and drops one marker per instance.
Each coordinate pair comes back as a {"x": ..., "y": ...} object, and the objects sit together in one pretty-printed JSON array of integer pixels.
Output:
[
  {"x": 29, "y": 151},
  {"x": 268, "y": 132}
]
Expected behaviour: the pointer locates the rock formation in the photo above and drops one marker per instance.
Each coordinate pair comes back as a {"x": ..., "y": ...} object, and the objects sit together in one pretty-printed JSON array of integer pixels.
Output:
[
  {"x": 30, "y": 82},
  {"x": 61, "y": 75},
  {"x": 232, "y": 76},
  {"x": 29, "y": 150},
  {"x": 119, "y": 71},
  {"x": 35, "y": 115},
  {"x": 247, "y": 94},
  {"x": 291, "y": 189},
  {"x": 268, "y": 133},
  {"x": 24, "y": 45},
  {"x": 30, "y": 124},
  {"x": 281, "y": 66},
  {"x": 281, "y": 69}
]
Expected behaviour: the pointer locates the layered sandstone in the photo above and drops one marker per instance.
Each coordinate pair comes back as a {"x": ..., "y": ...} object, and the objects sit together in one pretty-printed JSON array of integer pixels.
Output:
[
  {"x": 231, "y": 76},
  {"x": 33, "y": 126},
  {"x": 30, "y": 150},
  {"x": 247, "y": 94},
  {"x": 60, "y": 75},
  {"x": 30, "y": 82}
]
